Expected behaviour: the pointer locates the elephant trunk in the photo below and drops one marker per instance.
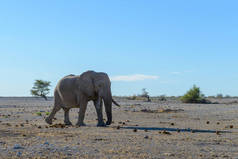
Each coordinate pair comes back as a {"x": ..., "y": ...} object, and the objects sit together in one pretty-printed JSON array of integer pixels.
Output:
[{"x": 108, "y": 107}]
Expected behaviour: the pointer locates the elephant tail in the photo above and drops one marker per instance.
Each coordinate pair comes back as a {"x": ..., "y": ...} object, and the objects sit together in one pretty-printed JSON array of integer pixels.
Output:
[{"x": 113, "y": 101}]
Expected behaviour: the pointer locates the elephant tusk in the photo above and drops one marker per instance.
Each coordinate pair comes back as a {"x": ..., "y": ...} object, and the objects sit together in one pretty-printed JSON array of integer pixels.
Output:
[{"x": 113, "y": 101}]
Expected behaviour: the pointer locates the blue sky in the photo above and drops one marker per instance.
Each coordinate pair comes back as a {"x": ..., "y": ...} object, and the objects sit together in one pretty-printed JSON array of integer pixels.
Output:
[{"x": 164, "y": 46}]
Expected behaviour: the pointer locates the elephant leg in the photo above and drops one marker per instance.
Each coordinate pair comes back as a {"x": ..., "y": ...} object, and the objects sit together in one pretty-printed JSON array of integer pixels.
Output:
[
  {"x": 98, "y": 106},
  {"x": 108, "y": 109},
  {"x": 66, "y": 117},
  {"x": 52, "y": 114},
  {"x": 82, "y": 110}
]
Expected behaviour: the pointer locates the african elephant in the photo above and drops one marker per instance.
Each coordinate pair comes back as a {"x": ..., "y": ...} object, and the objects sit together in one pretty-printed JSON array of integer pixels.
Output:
[{"x": 75, "y": 91}]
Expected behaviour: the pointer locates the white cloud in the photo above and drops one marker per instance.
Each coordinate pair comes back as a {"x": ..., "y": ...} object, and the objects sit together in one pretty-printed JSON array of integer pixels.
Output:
[{"x": 136, "y": 77}]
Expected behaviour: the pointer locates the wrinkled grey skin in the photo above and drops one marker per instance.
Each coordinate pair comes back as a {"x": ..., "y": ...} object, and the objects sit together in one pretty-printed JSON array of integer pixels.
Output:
[{"x": 75, "y": 92}]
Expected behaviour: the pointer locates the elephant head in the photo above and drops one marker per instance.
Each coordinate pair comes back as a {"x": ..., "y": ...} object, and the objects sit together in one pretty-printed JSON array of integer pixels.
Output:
[{"x": 103, "y": 89}]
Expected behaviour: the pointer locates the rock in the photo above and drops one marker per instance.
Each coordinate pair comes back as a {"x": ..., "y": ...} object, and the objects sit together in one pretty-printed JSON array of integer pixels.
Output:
[
  {"x": 149, "y": 111},
  {"x": 218, "y": 132},
  {"x": 66, "y": 147},
  {"x": 215, "y": 155},
  {"x": 169, "y": 154},
  {"x": 118, "y": 127},
  {"x": 170, "y": 110},
  {"x": 69, "y": 154},
  {"x": 19, "y": 154},
  {"x": 58, "y": 126},
  {"x": 146, "y": 137},
  {"x": 135, "y": 130},
  {"x": 17, "y": 146},
  {"x": 166, "y": 132},
  {"x": 218, "y": 123},
  {"x": 229, "y": 126},
  {"x": 225, "y": 156}
]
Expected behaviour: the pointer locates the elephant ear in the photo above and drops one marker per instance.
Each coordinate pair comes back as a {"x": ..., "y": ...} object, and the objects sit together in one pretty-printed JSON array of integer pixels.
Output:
[
  {"x": 85, "y": 85},
  {"x": 97, "y": 85}
]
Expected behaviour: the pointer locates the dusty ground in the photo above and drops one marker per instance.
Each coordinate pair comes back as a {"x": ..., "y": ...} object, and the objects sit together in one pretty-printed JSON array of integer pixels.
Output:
[{"x": 159, "y": 129}]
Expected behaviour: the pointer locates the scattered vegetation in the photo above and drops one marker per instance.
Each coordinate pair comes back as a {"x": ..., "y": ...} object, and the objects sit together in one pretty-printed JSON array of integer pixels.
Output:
[
  {"x": 194, "y": 95},
  {"x": 47, "y": 113},
  {"x": 162, "y": 98},
  {"x": 227, "y": 96},
  {"x": 219, "y": 96},
  {"x": 40, "y": 88},
  {"x": 145, "y": 94},
  {"x": 134, "y": 97},
  {"x": 211, "y": 97}
]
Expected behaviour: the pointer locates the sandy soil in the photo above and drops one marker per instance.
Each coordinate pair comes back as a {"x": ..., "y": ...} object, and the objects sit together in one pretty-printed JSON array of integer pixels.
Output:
[{"x": 157, "y": 129}]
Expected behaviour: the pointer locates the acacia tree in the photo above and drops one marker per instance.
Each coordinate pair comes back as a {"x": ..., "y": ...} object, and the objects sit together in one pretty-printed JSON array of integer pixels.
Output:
[{"x": 40, "y": 88}]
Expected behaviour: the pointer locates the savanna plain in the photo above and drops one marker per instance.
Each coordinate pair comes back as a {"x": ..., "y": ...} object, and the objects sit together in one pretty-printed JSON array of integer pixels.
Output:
[{"x": 140, "y": 129}]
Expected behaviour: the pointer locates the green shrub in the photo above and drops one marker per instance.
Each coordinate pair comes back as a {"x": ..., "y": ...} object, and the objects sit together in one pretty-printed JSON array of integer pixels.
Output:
[
  {"x": 47, "y": 113},
  {"x": 194, "y": 95},
  {"x": 38, "y": 113}
]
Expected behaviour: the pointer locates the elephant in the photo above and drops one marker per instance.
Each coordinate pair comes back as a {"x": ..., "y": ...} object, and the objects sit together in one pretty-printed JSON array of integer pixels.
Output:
[{"x": 75, "y": 91}]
